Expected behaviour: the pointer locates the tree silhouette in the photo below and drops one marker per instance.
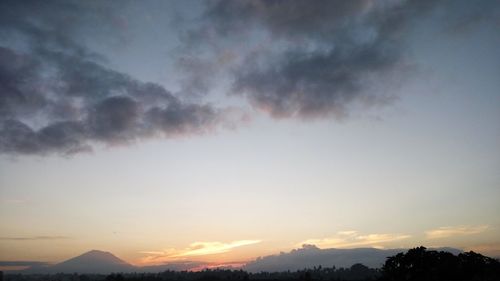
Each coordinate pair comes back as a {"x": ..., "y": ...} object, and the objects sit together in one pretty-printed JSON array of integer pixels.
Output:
[{"x": 422, "y": 264}]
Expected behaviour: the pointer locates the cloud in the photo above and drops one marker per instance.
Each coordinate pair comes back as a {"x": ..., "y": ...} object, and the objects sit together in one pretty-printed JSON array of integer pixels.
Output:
[
  {"x": 14, "y": 201},
  {"x": 299, "y": 58},
  {"x": 449, "y": 231},
  {"x": 350, "y": 239},
  {"x": 197, "y": 75},
  {"x": 35, "y": 238},
  {"x": 23, "y": 263},
  {"x": 309, "y": 256},
  {"x": 57, "y": 96},
  {"x": 321, "y": 56},
  {"x": 312, "y": 59},
  {"x": 195, "y": 249},
  {"x": 209, "y": 248}
]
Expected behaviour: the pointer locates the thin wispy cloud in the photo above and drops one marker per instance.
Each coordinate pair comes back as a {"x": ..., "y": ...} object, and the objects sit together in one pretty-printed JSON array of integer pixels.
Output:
[
  {"x": 209, "y": 248},
  {"x": 194, "y": 250},
  {"x": 351, "y": 238},
  {"x": 35, "y": 238},
  {"x": 23, "y": 263},
  {"x": 14, "y": 201},
  {"x": 449, "y": 231},
  {"x": 491, "y": 249}
]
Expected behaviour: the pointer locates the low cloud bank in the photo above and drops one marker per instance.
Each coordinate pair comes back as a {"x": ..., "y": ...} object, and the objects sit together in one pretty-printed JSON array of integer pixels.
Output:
[{"x": 310, "y": 256}]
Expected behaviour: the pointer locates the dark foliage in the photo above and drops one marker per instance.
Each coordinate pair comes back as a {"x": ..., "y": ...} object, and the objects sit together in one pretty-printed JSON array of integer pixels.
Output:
[
  {"x": 355, "y": 272},
  {"x": 422, "y": 264}
]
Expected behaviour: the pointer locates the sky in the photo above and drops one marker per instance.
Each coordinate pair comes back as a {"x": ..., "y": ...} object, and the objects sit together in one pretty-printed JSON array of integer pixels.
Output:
[{"x": 221, "y": 131}]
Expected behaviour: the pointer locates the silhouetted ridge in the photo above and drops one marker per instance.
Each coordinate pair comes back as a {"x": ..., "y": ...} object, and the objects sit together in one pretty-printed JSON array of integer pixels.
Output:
[
  {"x": 93, "y": 261},
  {"x": 102, "y": 262},
  {"x": 96, "y": 256}
]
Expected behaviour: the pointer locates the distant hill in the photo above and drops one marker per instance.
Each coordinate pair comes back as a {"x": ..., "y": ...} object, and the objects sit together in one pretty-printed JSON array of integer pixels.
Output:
[
  {"x": 102, "y": 262},
  {"x": 310, "y": 256},
  {"x": 90, "y": 262}
]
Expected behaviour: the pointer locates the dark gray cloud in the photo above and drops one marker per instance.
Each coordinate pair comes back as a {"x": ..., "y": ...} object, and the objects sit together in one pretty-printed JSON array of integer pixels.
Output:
[
  {"x": 58, "y": 96},
  {"x": 313, "y": 84},
  {"x": 322, "y": 54},
  {"x": 320, "y": 58},
  {"x": 197, "y": 75},
  {"x": 297, "y": 58}
]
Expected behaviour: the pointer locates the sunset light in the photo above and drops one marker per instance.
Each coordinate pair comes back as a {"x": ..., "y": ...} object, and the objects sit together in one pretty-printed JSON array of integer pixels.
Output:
[{"x": 264, "y": 140}]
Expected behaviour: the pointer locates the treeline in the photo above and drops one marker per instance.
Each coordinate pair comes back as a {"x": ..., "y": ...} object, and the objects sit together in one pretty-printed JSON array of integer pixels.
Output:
[
  {"x": 422, "y": 264},
  {"x": 418, "y": 264},
  {"x": 355, "y": 272}
]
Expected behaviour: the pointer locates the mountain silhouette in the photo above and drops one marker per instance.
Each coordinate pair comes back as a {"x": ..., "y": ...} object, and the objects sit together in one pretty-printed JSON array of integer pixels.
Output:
[
  {"x": 90, "y": 262},
  {"x": 101, "y": 262}
]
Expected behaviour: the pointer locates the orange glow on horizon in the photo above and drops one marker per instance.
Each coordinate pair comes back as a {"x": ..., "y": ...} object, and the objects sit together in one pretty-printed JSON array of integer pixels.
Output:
[
  {"x": 230, "y": 265},
  {"x": 195, "y": 249}
]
